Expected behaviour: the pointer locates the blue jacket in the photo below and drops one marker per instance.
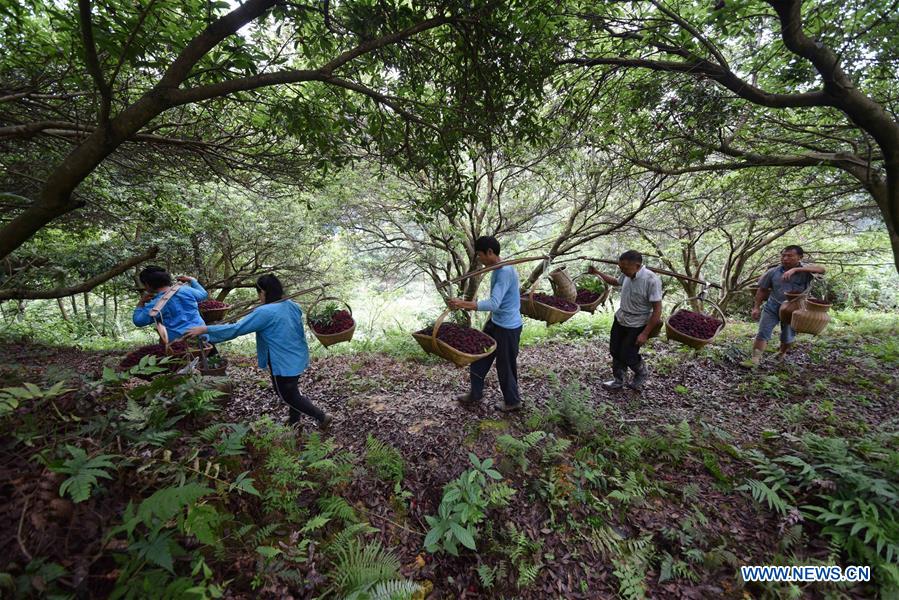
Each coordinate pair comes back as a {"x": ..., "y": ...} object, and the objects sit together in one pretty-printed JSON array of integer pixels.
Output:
[
  {"x": 179, "y": 314},
  {"x": 280, "y": 337},
  {"x": 505, "y": 300}
]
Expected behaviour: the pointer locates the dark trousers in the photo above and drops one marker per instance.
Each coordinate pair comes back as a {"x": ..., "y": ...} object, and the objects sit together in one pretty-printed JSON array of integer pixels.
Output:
[
  {"x": 506, "y": 357},
  {"x": 623, "y": 346},
  {"x": 288, "y": 390}
]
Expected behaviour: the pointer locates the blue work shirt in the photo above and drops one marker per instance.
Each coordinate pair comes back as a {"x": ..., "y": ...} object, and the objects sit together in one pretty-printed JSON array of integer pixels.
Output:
[
  {"x": 179, "y": 314},
  {"x": 280, "y": 337},
  {"x": 505, "y": 300},
  {"x": 773, "y": 280}
]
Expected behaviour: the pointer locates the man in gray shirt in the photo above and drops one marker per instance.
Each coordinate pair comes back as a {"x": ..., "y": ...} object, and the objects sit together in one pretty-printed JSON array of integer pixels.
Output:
[
  {"x": 640, "y": 311},
  {"x": 791, "y": 276}
]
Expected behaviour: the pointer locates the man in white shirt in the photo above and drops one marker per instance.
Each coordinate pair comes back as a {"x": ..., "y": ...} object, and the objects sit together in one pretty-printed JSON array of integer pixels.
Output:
[{"x": 639, "y": 312}]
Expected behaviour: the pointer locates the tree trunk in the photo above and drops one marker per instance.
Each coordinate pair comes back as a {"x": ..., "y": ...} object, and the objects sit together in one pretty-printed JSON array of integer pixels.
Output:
[
  {"x": 105, "y": 309},
  {"x": 62, "y": 309},
  {"x": 197, "y": 256},
  {"x": 20, "y": 310},
  {"x": 74, "y": 305},
  {"x": 223, "y": 293},
  {"x": 87, "y": 308},
  {"x": 115, "y": 313}
]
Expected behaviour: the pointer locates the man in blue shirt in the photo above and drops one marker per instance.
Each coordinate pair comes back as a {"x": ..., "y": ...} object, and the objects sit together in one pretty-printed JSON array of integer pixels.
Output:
[
  {"x": 504, "y": 326},
  {"x": 180, "y": 313},
  {"x": 791, "y": 276}
]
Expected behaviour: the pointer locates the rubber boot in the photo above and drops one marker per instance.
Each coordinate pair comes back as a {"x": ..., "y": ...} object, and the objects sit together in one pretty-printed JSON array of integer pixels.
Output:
[
  {"x": 619, "y": 372},
  {"x": 641, "y": 374}
]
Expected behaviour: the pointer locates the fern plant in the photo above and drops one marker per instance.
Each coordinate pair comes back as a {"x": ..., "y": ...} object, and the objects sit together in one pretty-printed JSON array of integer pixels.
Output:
[
  {"x": 384, "y": 460},
  {"x": 367, "y": 571},
  {"x": 83, "y": 472},
  {"x": 847, "y": 488}
]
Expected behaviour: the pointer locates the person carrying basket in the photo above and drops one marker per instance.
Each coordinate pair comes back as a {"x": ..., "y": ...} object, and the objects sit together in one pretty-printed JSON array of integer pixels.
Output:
[
  {"x": 504, "y": 325},
  {"x": 639, "y": 312}
]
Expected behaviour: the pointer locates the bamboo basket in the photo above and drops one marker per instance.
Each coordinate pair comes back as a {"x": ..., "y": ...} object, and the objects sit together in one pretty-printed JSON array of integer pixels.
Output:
[
  {"x": 789, "y": 306},
  {"x": 433, "y": 345},
  {"x": 214, "y": 315},
  {"x": 592, "y": 306},
  {"x": 696, "y": 343},
  {"x": 221, "y": 371},
  {"x": 329, "y": 339},
  {"x": 543, "y": 312},
  {"x": 811, "y": 317},
  {"x": 179, "y": 359}
]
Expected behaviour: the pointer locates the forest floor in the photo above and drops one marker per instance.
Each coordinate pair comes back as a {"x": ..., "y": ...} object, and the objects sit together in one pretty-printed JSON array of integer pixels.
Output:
[{"x": 616, "y": 494}]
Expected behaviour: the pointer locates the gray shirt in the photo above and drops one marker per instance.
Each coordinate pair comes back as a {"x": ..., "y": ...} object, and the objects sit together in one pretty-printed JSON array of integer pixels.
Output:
[
  {"x": 773, "y": 280},
  {"x": 637, "y": 295}
]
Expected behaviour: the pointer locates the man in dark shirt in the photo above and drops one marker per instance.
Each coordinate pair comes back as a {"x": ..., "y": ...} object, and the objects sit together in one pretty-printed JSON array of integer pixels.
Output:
[{"x": 791, "y": 276}]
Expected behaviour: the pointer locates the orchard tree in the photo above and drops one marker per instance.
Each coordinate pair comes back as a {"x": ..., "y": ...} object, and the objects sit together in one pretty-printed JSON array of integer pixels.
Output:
[
  {"x": 780, "y": 83},
  {"x": 136, "y": 83}
]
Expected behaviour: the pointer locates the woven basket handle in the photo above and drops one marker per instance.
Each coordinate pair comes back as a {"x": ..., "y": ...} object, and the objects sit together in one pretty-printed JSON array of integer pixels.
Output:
[
  {"x": 314, "y": 304},
  {"x": 547, "y": 263},
  {"x": 439, "y": 322}
]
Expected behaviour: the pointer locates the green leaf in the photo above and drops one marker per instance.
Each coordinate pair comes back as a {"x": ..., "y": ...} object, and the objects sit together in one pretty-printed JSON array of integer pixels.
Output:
[
  {"x": 268, "y": 551},
  {"x": 463, "y": 535},
  {"x": 167, "y": 502}
]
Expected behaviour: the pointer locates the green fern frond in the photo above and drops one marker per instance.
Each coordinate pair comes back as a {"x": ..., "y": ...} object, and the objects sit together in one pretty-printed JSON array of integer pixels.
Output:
[
  {"x": 348, "y": 535},
  {"x": 487, "y": 575},
  {"x": 337, "y": 507},
  {"x": 527, "y": 574},
  {"x": 358, "y": 567},
  {"x": 397, "y": 589}
]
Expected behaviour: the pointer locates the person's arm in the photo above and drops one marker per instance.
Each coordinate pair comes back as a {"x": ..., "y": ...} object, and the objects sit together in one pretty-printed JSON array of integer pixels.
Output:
[
  {"x": 255, "y": 321},
  {"x": 761, "y": 295},
  {"x": 813, "y": 269},
  {"x": 497, "y": 291},
  {"x": 654, "y": 320},
  {"x": 607, "y": 278},
  {"x": 655, "y": 298},
  {"x": 195, "y": 288},
  {"x": 141, "y": 316}
]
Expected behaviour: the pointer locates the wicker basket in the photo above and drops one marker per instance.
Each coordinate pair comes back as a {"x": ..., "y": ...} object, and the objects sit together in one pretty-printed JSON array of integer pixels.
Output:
[
  {"x": 789, "y": 306},
  {"x": 696, "y": 343},
  {"x": 811, "y": 317},
  {"x": 433, "y": 345},
  {"x": 214, "y": 315},
  {"x": 177, "y": 360},
  {"x": 215, "y": 371},
  {"x": 329, "y": 339},
  {"x": 592, "y": 306},
  {"x": 543, "y": 312}
]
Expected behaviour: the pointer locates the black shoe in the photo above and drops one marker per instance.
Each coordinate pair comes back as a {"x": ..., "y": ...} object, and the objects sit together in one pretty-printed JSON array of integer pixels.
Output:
[
  {"x": 466, "y": 400},
  {"x": 503, "y": 407},
  {"x": 325, "y": 423}
]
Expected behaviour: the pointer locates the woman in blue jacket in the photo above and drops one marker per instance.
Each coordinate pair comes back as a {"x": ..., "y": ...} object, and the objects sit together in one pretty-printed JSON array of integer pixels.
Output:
[
  {"x": 280, "y": 345},
  {"x": 180, "y": 313}
]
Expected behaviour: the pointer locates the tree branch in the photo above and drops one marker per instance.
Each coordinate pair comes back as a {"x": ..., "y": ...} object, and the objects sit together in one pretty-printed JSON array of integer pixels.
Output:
[
  {"x": 85, "y": 286},
  {"x": 91, "y": 60},
  {"x": 727, "y": 78}
]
